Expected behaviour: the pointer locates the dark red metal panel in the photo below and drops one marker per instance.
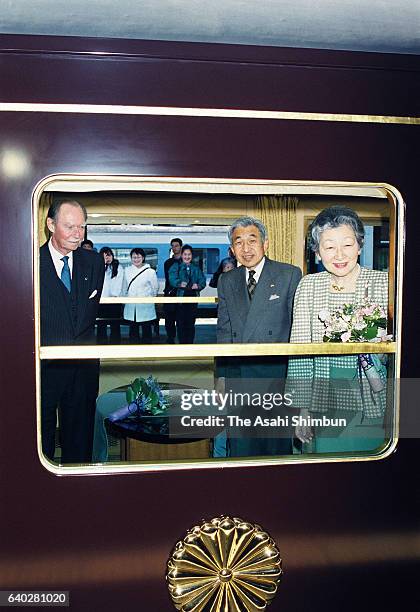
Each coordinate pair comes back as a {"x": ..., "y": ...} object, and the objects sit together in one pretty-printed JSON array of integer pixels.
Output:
[
  {"x": 107, "y": 538},
  {"x": 98, "y": 71}
]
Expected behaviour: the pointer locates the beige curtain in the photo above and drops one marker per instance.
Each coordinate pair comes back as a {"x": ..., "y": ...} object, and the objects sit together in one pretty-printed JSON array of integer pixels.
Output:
[
  {"x": 45, "y": 202},
  {"x": 278, "y": 213}
]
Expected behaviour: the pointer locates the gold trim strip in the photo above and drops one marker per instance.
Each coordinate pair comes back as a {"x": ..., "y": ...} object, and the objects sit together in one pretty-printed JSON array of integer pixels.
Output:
[
  {"x": 234, "y": 462},
  {"x": 198, "y": 351},
  {"x": 110, "y": 109},
  {"x": 159, "y": 300},
  {"x": 94, "y": 182}
]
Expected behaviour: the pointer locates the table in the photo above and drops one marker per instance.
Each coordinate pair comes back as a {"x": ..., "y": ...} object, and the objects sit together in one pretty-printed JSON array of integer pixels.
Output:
[{"x": 138, "y": 445}]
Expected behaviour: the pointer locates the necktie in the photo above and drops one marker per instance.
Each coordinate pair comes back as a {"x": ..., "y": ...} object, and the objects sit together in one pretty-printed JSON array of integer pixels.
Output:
[
  {"x": 252, "y": 283},
  {"x": 65, "y": 273}
]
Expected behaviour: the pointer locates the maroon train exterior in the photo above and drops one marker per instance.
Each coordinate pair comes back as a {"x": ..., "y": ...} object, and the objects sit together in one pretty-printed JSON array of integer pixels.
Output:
[{"x": 345, "y": 530}]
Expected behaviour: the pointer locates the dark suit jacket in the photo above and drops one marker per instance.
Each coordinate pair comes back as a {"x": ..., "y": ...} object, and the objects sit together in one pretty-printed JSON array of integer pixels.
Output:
[
  {"x": 268, "y": 317},
  {"x": 69, "y": 318},
  {"x": 265, "y": 318}
]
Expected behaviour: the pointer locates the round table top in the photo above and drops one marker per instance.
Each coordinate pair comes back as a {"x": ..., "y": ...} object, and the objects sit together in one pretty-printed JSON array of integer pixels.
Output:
[{"x": 148, "y": 428}]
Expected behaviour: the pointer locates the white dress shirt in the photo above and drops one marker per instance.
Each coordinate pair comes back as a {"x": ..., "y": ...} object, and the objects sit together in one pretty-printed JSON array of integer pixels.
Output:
[
  {"x": 258, "y": 269},
  {"x": 57, "y": 259}
]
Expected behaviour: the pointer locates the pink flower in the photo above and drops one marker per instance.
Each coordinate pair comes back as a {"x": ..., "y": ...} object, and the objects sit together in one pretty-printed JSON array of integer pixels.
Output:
[
  {"x": 368, "y": 310},
  {"x": 345, "y": 337}
]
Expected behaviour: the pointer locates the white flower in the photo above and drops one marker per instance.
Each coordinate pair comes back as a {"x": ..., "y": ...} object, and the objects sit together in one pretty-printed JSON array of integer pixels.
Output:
[
  {"x": 340, "y": 326},
  {"x": 323, "y": 315},
  {"x": 382, "y": 336},
  {"x": 360, "y": 325},
  {"x": 345, "y": 337}
]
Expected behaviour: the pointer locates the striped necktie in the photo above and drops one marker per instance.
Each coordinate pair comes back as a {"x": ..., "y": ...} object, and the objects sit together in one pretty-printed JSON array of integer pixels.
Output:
[
  {"x": 65, "y": 273},
  {"x": 252, "y": 283}
]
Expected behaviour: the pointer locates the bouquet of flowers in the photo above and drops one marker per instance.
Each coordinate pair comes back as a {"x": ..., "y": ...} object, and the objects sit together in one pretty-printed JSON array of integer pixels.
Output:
[
  {"x": 146, "y": 394},
  {"x": 144, "y": 398},
  {"x": 365, "y": 322}
]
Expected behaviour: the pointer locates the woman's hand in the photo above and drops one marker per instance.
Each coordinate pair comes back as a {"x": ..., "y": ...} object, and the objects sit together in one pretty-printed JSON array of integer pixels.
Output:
[
  {"x": 194, "y": 286},
  {"x": 183, "y": 284},
  {"x": 304, "y": 433}
]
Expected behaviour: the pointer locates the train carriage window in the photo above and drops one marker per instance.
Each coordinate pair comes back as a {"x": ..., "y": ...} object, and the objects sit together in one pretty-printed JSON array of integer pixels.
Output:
[
  {"x": 173, "y": 394},
  {"x": 207, "y": 259}
]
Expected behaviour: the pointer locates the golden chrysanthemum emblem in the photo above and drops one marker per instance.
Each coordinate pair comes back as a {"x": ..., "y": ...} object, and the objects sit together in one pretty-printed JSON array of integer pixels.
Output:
[{"x": 226, "y": 565}]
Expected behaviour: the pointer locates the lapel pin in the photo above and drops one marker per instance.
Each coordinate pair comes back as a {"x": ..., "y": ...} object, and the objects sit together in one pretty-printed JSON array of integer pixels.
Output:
[{"x": 86, "y": 277}]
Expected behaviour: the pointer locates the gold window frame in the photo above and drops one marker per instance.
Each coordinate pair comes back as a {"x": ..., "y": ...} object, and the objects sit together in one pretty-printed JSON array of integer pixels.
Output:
[{"x": 87, "y": 183}]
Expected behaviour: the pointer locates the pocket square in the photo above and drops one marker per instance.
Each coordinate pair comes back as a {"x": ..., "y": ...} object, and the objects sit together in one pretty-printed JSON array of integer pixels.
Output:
[
  {"x": 92, "y": 295},
  {"x": 274, "y": 296}
]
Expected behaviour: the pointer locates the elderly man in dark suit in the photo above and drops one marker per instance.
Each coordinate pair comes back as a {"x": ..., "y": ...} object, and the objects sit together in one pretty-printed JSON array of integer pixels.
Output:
[
  {"x": 255, "y": 305},
  {"x": 71, "y": 280}
]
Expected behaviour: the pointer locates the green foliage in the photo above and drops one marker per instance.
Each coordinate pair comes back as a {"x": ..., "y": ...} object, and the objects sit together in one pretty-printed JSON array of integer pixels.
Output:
[{"x": 146, "y": 393}]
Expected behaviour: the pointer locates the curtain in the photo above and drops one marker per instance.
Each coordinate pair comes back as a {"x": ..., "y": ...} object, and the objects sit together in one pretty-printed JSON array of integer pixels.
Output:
[
  {"x": 278, "y": 213},
  {"x": 45, "y": 202}
]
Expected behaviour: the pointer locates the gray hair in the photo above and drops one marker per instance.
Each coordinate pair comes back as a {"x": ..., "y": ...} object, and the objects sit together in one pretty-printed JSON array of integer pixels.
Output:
[
  {"x": 333, "y": 217},
  {"x": 54, "y": 209},
  {"x": 246, "y": 222}
]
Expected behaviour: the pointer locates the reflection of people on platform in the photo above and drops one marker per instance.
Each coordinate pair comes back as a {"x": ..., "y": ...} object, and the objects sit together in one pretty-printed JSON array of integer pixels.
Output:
[
  {"x": 336, "y": 385},
  {"x": 255, "y": 305},
  {"x": 140, "y": 280},
  {"x": 113, "y": 282},
  {"x": 170, "y": 309},
  {"x": 70, "y": 288},
  {"x": 188, "y": 280}
]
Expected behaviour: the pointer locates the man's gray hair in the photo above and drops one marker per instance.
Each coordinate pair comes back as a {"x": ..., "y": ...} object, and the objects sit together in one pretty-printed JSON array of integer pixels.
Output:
[
  {"x": 54, "y": 209},
  {"x": 333, "y": 217},
  {"x": 246, "y": 222}
]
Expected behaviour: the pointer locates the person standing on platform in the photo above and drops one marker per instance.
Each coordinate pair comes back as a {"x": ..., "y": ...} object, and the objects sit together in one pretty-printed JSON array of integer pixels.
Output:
[
  {"x": 88, "y": 245},
  {"x": 255, "y": 303},
  {"x": 71, "y": 280},
  {"x": 113, "y": 282},
  {"x": 170, "y": 309},
  {"x": 228, "y": 263},
  {"x": 188, "y": 280},
  {"x": 140, "y": 280}
]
